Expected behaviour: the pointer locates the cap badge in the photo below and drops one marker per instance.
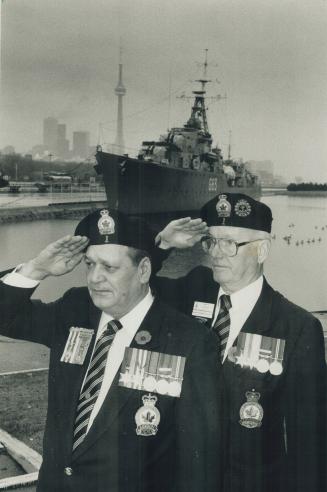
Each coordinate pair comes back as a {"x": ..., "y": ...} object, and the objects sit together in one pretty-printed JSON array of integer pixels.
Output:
[
  {"x": 223, "y": 207},
  {"x": 106, "y": 224},
  {"x": 242, "y": 208}
]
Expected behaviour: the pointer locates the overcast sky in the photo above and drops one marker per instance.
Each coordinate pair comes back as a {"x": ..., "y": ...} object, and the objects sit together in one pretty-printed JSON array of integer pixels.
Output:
[{"x": 60, "y": 58}]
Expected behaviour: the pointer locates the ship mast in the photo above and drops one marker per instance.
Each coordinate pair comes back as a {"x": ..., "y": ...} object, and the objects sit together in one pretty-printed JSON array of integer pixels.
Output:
[{"x": 199, "y": 109}]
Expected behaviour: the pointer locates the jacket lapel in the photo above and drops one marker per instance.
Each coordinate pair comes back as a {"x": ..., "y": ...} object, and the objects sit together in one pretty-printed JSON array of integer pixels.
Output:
[
  {"x": 260, "y": 318},
  {"x": 94, "y": 316},
  {"x": 117, "y": 398}
]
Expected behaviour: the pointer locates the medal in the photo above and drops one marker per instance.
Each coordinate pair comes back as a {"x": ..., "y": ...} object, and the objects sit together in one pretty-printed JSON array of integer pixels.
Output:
[
  {"x": 174, "y": 388},
  {"x": 77, "y": 345},
  {"x": 261, "y": 353},
  {"x": 231, "y": 355},
  {"x": 147, "y": 417},
  {"x": 276, "y": 368},
  {"x": 251, "y": 412},
  {"x": 262, "y": 365},
  {"x": 154, "y": 372}
]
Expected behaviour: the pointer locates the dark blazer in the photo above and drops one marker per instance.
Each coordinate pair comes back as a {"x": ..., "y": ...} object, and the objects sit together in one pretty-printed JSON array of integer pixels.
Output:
[
  {"x": 288, "y": 452},
  {"x": 112, "y": 457}
]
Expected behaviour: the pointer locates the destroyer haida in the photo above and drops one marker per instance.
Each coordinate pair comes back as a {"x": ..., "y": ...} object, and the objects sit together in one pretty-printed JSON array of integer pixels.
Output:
[{"x": 176, "y": 174}]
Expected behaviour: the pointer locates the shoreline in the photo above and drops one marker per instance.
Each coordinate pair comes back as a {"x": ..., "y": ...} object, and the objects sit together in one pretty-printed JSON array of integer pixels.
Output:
[
  {"x": 72, "y": 210},
  {"x": 311, "y": 194}
]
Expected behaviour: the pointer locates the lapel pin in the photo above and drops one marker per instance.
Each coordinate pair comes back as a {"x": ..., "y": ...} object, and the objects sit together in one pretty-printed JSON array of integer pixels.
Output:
[{"x": 142, "y": 337}]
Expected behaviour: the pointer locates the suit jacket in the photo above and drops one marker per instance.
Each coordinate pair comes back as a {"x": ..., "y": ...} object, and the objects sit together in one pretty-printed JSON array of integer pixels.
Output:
[
  {"x": 288, "y": 452},
  {"x": 112, "y": 457}
]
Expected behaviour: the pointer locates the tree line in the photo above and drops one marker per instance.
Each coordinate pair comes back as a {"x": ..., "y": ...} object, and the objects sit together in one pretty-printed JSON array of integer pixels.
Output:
[{"x": 307, "y": 187}]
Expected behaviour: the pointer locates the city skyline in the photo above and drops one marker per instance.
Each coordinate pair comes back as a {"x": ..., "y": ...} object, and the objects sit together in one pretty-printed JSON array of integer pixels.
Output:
[{"x": 268, "y": 58}]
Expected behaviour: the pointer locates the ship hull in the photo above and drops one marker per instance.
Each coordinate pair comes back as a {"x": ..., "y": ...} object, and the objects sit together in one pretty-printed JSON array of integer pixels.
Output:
[{"x": 139, "y": 187}]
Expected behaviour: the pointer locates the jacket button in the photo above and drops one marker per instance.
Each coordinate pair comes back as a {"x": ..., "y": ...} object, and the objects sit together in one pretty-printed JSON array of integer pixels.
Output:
[{"x": 68, "y": 471}]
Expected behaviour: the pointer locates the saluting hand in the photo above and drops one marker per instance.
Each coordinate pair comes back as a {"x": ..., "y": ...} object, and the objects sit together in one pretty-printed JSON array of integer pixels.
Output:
[
  {"x": 57, "y": 258},
  {"x": 182, "y": 233}
]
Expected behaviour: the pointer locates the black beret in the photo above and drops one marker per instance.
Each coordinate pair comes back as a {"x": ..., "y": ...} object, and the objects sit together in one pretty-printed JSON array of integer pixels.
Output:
[
  {"x": 237, "y": 210},
  {"x": 113, "y": 227}
]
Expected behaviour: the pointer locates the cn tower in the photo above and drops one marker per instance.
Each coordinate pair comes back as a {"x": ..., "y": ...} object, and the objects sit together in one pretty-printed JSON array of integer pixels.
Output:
[{"x": 120, "y": 91}]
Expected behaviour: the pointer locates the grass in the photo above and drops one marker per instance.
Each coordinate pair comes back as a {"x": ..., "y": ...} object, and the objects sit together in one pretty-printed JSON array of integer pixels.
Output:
[{"x": 23, "y": 406}]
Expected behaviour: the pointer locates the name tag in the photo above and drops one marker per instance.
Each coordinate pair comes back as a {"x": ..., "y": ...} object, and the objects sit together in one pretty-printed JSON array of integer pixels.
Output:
[
  {"x": 77, "y": 345},
  {"x": 153, "y": 372},
  {"x": 203, "y": 309}
]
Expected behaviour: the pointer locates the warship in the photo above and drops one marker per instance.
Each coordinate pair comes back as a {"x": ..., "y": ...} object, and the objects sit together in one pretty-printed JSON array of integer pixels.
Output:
[{"x": 178, "y": 173}]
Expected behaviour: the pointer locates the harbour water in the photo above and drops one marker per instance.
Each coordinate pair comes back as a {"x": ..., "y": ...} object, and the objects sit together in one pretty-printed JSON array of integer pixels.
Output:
[{"x": 297, "y": 267}]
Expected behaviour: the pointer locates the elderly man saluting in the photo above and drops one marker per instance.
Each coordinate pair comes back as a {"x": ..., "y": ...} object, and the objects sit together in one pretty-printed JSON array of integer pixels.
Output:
[
  {"x": 134, "y": 386},
  {"x": 272, "y": 350}
]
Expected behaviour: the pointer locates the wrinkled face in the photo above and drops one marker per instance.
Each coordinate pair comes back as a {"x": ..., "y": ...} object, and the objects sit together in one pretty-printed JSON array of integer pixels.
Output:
[
  {"x": 115, "y": 284},
  {"x": 234, "y": 273}
]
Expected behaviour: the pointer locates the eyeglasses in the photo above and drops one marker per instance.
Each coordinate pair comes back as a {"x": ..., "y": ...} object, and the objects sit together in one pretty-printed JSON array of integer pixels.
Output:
[{"x": 227, "y": 246}]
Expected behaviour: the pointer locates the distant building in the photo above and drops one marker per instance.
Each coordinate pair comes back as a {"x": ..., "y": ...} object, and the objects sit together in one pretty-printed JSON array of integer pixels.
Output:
[
  {"x": 62, "y": 147},
  {"x": 50, "y": 134},
  {"x": 263, "y": 169},
  {"x": 81, "y": 144}
]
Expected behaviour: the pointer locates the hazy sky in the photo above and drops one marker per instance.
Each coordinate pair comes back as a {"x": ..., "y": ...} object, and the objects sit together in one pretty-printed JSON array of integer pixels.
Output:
[{"x": 60, "y": 58}]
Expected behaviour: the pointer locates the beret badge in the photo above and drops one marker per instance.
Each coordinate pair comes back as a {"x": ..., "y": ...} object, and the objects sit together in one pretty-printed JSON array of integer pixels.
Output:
[
  {"x": 242, "y": 208},
  {"x": 106, "y": 224},
  {"x": 223, "y": 207}
]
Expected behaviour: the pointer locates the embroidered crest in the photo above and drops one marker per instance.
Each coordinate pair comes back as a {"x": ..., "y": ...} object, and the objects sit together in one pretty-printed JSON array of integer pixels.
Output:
[{"x": 242, "y": 208}]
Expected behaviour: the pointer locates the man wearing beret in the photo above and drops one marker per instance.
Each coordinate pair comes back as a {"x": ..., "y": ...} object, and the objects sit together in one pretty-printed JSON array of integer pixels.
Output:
[
  {"x": 134, "y": 386},
  {"x": 272, "y": 350}
]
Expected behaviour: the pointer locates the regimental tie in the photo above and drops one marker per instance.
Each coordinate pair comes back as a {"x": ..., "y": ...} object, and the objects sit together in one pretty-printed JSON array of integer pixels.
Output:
[
  {"x": 93, "y": 381},
  {"x": 222, "y": 324}
]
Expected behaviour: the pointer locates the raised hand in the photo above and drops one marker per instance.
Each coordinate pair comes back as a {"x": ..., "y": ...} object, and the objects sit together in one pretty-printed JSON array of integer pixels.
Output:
[
  {"x": 182, "y": 233},
  {"x": 56, "y": 259}
]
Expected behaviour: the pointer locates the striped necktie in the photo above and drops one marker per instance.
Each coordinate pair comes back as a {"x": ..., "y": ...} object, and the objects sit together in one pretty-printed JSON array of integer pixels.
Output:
[
  {"x": 222, "y": 324},
  {"x": 93, "y": 381}
]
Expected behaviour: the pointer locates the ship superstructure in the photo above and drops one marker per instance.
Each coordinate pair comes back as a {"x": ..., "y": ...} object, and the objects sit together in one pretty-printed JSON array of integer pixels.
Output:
[{"x": 179, "y": 172}]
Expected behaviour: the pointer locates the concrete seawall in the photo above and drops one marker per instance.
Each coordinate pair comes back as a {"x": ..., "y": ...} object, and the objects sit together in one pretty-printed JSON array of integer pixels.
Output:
[{"x": 73, "y": 210}]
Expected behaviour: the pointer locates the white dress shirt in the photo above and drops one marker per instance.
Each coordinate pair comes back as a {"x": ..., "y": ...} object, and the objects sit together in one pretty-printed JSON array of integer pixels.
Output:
[
  {"x": 243, "y": 301},
  {"x": 123, "y": 338}
]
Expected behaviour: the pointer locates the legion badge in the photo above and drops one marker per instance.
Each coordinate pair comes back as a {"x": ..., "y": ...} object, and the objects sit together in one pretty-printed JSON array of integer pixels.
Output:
[
  {"x": 203, "y": 309},
  {"x": 264, "y": 354},
  {"x": 106, "y": 224},
  {"x": 154, "y": 372},
  {"x": 77, "y": 345},
  {"x": 242, "y": 208},
  {"x": 223, "y": 207},
  {"x": 251, "y": 412},
  {"x": 147, "y": 418}
]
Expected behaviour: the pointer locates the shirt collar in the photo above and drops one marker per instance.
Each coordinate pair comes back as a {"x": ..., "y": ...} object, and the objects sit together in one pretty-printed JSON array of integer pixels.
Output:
[
  {"x": 247, "y": 295},
  {"x": 132, "y": 320}
]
